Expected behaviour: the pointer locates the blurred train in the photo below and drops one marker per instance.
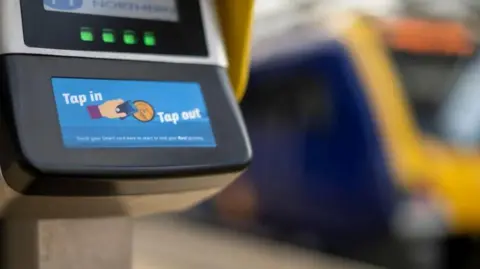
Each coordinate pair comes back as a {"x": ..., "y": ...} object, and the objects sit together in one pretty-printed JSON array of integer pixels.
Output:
[
  {"x": 319, "y": 172},
  {"x": 363, "y": 129}
]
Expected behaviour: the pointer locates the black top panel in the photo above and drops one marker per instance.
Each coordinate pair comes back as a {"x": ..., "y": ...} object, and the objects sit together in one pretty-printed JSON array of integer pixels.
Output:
[
  {"x": 29, "y": 103},
  {"x": 70, "y": 31}
]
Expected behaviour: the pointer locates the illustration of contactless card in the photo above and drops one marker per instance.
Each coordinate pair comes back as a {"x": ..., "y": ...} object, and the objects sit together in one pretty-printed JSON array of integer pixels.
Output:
[{"x": 127, "y": 108}]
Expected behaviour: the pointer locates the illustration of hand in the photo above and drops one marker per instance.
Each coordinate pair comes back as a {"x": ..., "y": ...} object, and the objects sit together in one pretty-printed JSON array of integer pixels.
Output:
[{"x": 107, "y": 110}]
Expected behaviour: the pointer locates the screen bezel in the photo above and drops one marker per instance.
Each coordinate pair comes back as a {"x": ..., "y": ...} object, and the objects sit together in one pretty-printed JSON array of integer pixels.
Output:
[
  {"x": 60, "y": 30},
  {"x": 39, "y": 134}
]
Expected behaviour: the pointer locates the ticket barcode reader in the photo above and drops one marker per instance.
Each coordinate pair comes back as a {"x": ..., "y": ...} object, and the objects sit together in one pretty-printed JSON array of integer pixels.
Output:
[{"x": 108, "y": 98}]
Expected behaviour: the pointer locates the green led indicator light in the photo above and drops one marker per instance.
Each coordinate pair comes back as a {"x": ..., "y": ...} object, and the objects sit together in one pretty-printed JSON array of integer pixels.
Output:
[
  {"x": 130, "y": 38},
  {"x": 108, "y": 36},
  {"x": 149, "y": 39},
  {"x": 86, "y": 34}
]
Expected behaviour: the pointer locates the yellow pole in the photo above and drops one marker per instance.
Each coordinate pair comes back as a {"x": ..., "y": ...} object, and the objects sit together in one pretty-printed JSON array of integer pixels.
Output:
[{"x": 236, "y": 17}]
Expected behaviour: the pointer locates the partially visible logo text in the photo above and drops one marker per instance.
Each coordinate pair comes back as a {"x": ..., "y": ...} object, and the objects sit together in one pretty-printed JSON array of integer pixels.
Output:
[
  {"x": 63, "y": 4},
  {"x": 163, "y": 10},
  {"x": 130, "y": 6}
]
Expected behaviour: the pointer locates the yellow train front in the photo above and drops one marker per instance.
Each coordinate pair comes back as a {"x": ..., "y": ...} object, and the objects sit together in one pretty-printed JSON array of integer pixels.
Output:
[{"x": 420, "y": 77}]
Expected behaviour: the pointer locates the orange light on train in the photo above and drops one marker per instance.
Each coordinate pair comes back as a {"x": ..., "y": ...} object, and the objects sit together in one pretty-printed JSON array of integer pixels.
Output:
[{"x": 428, "y": 37}]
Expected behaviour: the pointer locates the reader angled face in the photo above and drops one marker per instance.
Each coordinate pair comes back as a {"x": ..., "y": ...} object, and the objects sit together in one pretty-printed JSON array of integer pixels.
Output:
[{"x": 119, "y": 89}]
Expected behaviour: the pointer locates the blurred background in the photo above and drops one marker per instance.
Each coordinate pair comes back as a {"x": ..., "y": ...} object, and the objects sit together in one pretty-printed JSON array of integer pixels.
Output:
[{"x": 365, "y": 128}]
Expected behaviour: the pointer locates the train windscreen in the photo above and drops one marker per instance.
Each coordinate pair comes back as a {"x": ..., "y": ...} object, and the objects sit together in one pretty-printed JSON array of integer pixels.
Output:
[
  {"x": 296, "y": 101},
  {"x": 428, "y": 81},
  {"x": 438, "y": 68},
  {"x": 444, "y": 93}
]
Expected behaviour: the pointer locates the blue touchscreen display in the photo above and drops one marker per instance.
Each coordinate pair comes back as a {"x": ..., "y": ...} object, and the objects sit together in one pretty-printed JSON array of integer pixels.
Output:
[{"x": 99, "y": 113}]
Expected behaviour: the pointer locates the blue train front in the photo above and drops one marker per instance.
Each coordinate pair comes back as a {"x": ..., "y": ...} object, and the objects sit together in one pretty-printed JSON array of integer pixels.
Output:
[{"x": 319, "y": 167}]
